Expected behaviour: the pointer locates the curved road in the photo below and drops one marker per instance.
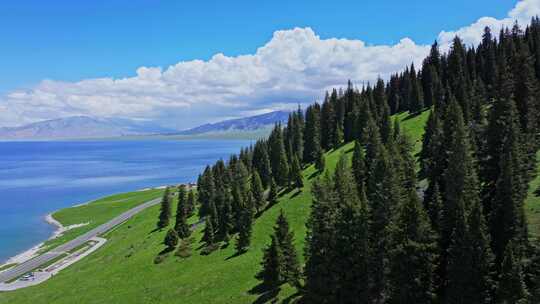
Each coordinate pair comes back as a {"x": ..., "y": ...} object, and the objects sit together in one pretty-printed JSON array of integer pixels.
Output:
[{"x": 54, "y": 253}]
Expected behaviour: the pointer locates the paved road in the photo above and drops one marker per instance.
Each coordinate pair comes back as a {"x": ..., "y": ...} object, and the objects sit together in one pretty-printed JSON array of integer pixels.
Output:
[{"x": 46, "y": 257}]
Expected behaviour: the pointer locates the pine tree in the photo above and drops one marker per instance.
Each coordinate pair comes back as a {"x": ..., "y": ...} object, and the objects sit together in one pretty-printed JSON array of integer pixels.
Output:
[
  {"x": 481, "y": 284},
  {"x": 458, "y": 259},
  {"x": 434, "y": 205},
  {"x": 429, "y": 80},
  {"x": 405, "y": 91},
  {"x": 402, "y": 154},
  {"x": 383, "y": 195},
  {"x": 181, "y": 226},
  {"x": 364, "y": 118},
  {"x": 417, "y": 100},
  {"x": 171, "y": 239},
  {"x": 489, "y": 72},
  {"x": 352, "y": 239},
  {"x": 320, "y": 163},
  {"x": 285, "y": 237},
  {"x": 244, "y": 230},
  {"x": 272, "y": 271},
  {"x": 507, "y": 217},
  {"x": 278, "y": 157},
  {"x": 319, "y": 270},
  {"x": 338, "y": 136},
  {"x": 525, "y": 90},
  {"x": 393, "y": 94},
  {"x": 412, "y": 255},
  {"x": 296, "y": 173},
  {"x": 359, "y": 166},
  {"x": 328, "y": 122},
  {"x": 165, "y": 211},
  {"x": 460, "y": 179},
  {"x": 206, "y": 191},
  {"x": 460, "y": 194},
  {"x": 385, "y": 124},
  {"x": 511, "y": 287},
  {"x": 190, "y": 203},
  {"x": 226, "y": 222},
  {"x": 208, "y": 236},
  {"x": 509, "y": 191},
  {"x": 214, "y": 216},
  {"x": 257, "y": 191},
  {"x": 273, "y": 194},
  {"x": 297, "y": 134},
  {"x": 344, "y": 185},
  {"x": 312, "y": 133},
  {"x": 261, "y": 162},
  {"x": 431, "y": 145}
]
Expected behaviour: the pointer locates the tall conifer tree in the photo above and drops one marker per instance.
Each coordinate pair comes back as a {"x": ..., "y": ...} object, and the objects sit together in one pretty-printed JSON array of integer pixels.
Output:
[{"x": 165, "y": 210}]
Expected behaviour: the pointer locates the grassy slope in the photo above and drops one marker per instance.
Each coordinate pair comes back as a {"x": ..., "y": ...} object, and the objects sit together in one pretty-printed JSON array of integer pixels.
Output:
[
  {"x": 98, "y": 212},
  {"x": 532, "y": 204},
  {"x": 123, "y": 271}
]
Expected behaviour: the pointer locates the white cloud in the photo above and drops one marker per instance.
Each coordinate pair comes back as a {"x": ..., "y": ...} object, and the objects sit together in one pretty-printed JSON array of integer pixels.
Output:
[
  {"x": 523, "y": 12},
  {"x": 295, "y": 66}
]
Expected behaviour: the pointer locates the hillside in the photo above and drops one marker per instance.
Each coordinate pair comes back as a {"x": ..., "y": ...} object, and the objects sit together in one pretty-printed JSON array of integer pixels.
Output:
[
  {"x": 123, "y": 271},
  {"x": 80, "y": 127}
]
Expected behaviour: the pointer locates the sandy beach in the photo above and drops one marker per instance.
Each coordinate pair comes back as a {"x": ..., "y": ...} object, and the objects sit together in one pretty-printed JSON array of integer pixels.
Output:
[{"x": 32, "y": 252}]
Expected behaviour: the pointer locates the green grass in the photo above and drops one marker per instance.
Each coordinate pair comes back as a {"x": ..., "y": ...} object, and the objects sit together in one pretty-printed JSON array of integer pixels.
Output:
[
  {"x": 413, "y": 125},
  {"x": 532, "y": 204},
  {"x": 122, "y": 271},
  {"x": 97, "y": 212}
]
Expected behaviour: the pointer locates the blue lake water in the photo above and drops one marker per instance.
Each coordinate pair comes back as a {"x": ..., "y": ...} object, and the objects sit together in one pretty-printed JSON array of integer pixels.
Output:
[{"x": 37, "y": 178}]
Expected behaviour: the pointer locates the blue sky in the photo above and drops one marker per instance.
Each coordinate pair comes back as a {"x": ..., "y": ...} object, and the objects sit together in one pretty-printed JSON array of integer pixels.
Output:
[{"x": 72, "y": 41}]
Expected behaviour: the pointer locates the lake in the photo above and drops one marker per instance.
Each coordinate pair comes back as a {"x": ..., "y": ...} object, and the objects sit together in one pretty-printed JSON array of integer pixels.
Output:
[{"x": 37, "y": 178}]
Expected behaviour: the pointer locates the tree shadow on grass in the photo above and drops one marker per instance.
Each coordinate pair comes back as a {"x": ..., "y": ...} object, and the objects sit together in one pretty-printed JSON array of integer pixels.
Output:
[
  {"x": 166, "y": 250},
  {"x": 537, "y": 191},
  {"x": 296, "y": 193},
  {"x": 294, "y": 298},
  {"x": 413, "y": 115},
  {"x": 236, "y": 254},
  {"x": 266, "y": 295},
  {"x": 155, "y": 230},
  {"x": 285, "y": 191},
  {"x": 314, "y": 174}
]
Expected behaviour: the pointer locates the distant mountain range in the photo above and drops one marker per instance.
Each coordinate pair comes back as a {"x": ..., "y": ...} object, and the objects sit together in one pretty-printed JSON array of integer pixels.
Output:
[
  {"x": 81, "y": 127},
  {"x": 91, "y": 127},
  {"x": 251, "y": 123}
]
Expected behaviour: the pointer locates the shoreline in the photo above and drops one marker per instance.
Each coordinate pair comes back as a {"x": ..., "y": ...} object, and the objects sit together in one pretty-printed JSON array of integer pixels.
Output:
[
  {"x": 34, "y": 250},
  {"x": 60, "y": 229}
]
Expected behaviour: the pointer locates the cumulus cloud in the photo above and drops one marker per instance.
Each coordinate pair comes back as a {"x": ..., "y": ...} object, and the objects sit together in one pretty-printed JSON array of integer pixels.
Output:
[
  {"x": 523, "y": 12},
  {"x": 295, "y": 66}
]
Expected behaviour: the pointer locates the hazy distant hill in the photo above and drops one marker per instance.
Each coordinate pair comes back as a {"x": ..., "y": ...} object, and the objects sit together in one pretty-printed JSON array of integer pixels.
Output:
[
  {"x": 81, "y": 127},
  {"x": 92, "y": 127},
  {"x": 245, "y": 124}
]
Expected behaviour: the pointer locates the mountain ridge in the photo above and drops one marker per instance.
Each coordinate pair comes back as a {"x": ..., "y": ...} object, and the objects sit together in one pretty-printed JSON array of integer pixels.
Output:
[
  {"x": 249, "y": 123},
  {"x": 81, "y": 127},
  {"x": 88, "y": 127}
]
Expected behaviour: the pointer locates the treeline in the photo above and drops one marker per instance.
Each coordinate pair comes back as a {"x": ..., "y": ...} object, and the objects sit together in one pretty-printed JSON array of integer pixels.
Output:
[
  {"x": 374, "y": 234},
  {"x": 181, "y": 230},
  {"x": 463, "y": 239}
]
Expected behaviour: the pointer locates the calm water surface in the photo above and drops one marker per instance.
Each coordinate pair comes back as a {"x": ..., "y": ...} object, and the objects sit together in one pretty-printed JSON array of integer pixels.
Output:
[{"x": 39, "y": 177}]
